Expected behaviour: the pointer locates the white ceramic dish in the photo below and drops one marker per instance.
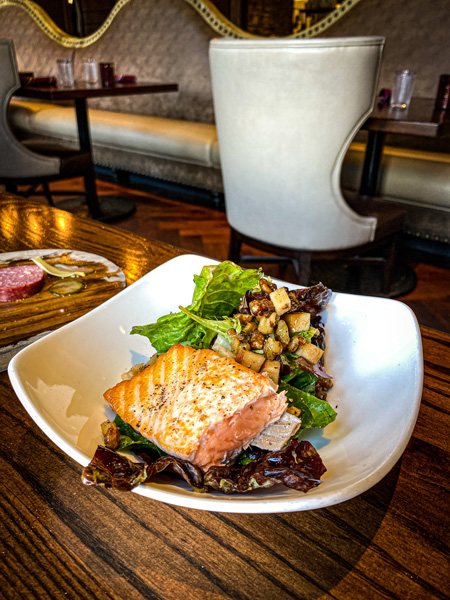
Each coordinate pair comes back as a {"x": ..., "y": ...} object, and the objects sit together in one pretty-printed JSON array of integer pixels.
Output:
[{"x": 373, "y": 351}]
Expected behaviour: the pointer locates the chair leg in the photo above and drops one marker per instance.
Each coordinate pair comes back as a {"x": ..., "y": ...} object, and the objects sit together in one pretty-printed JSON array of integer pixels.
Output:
[
  {"x": 11, "y": 188},
  {"x": 47, "y": 194},
  {"x": 31, "y": 191},
  {"x": 235, "y": 247},
  {"x": 389, "y": 267},
  {"x": 354, "y": 278},
  {"x": 302, "y": 265}
]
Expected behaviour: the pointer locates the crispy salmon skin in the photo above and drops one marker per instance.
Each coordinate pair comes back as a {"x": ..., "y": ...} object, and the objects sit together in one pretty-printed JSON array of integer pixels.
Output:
[{"x": 197, "y": 405}]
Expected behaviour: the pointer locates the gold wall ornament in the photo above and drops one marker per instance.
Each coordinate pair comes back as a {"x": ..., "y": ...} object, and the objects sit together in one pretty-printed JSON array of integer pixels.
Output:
[
  {"x": 206, "y": 9},
  {"x": 216, "y": 20},
  {"x": 49, "y": 27}
]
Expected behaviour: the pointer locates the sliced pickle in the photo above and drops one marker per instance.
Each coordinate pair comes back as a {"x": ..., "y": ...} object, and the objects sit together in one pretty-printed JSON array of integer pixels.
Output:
[{"x": 66, "y": 287}]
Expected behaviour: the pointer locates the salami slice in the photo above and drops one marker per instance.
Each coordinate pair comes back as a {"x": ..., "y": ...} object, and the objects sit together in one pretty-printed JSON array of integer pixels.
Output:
[{"x": 20, "y": 282}]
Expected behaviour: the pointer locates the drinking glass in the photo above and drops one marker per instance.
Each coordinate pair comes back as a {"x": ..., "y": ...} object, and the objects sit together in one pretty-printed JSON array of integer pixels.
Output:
[
  {"x": 90, "y": 70},
  {"x": 65, "y": 72},
  {"x": 403, "y": 88},
  {"x": 107, "y": 74}
]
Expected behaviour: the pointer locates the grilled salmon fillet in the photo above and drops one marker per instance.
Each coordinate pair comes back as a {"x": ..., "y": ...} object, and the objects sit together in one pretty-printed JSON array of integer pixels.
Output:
[{"x": 197, "y": 405}]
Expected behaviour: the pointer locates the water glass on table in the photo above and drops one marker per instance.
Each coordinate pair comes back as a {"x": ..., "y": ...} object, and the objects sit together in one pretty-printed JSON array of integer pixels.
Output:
[
  {"x": 65, "y": 72},
  {"x": 403, "y": 88},
  {"x": 90, "y": 70}
]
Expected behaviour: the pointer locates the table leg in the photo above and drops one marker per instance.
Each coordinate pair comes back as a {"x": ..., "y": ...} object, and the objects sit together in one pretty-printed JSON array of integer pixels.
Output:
[
  {"x": 102, "y": 208},
  {"x": 372, "y": 162},
  {"x": 84, "y": 133}
]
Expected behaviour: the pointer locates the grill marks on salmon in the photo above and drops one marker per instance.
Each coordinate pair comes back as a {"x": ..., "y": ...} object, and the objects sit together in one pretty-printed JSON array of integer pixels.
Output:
[{"x": 197, "y": 405}]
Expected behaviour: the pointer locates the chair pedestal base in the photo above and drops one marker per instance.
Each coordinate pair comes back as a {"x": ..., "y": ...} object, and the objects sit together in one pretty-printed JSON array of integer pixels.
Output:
[{"x": 112, "y": 208}]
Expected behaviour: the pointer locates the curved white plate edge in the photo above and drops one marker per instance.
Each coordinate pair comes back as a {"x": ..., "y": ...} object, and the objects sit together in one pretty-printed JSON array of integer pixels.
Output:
[
  {"x": 265, "y": 505},
  {"x": 40, "y": 420}
]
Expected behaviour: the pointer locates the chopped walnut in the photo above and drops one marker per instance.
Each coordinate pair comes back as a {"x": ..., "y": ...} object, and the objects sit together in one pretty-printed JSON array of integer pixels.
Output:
[
  {"x": 272, "y": 348},
  {"x": 257, "y": 340},
  {"x": 250, "y": 327},
  {"x": 111, "y": 435},
  {"x": 267, "y": 286},
  {"x": 294, "y": 343},
  {"x": 261, "y": 307},
  {"x": 244, "y": 318}
]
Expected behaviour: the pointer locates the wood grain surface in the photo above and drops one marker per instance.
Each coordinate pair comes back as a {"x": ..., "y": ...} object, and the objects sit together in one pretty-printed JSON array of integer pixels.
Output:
[
  {"x": 45, "y": 311},
  {"x": 419, "y": 119},
  {"x": 61, "y": 539}
]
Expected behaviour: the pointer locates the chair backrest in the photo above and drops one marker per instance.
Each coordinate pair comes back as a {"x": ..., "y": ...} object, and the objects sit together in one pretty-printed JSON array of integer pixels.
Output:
[
  {"x": 286, "y": 111},
  {"x": 16, "y": 161}
]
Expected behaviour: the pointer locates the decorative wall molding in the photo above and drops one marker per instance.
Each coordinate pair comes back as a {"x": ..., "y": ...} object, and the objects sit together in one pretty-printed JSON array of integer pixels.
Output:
[
  {"x": 208, "y": 11},
  {"x": 49, "y": 27},
  {"x": 225, "y": 28}
]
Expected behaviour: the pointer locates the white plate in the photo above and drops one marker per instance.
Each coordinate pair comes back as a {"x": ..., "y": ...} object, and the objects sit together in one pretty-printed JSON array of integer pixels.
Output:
[{"x": 373, "y": 351}]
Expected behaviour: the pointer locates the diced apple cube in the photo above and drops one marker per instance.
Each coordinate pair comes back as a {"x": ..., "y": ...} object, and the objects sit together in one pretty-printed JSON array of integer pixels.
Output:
[
  {"x": 311, "y": 352},
  {"x": 297, "y": 322},
  {"x": 272, "y": 369},
  {"x": 251, "y": 360},
  {"x": 280, "y": 300}
]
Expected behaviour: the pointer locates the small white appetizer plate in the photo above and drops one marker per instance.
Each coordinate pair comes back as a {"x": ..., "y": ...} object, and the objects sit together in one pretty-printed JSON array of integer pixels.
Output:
[{"x": 373, "y": 352}]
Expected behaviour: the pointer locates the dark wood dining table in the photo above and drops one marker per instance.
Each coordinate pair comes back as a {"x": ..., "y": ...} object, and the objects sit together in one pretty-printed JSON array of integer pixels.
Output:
[
  {"x": 61, "y": 539},
  {"x": 419, "y": 119},
  {"x": 105, "y": 208}
]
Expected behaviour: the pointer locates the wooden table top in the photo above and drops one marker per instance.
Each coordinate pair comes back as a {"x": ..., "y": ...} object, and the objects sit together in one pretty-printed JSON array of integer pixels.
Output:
[
  {"x": 419, "y": 119},
  {"x": 60, "y": 539},
  {"x": 84, "y": 90}
]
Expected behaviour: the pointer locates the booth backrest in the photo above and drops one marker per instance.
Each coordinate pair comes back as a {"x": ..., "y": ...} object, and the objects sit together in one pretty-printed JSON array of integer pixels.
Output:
[
  {"x": 416, "y": 35},
  {"x": 158, "y": 40},
  {"x": 169, "y": 39},
  {"x": 165, "y": 40},
  {"x": 35, "y": 50}
]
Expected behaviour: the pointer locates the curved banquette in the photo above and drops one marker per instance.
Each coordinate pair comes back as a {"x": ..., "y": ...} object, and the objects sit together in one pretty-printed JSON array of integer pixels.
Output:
[{"x": 172, "y": 136}]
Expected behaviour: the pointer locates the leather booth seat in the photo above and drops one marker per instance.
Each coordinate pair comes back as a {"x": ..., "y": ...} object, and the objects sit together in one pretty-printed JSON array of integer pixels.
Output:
[
  {"x": 121, "y": 133},
  {"x": 414, "y": 179}
]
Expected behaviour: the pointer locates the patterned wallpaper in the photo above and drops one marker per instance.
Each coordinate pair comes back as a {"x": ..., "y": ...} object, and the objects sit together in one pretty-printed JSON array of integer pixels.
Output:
[
  {"x": 417, "y": 37},
  {"x": 168, "y": 40}
]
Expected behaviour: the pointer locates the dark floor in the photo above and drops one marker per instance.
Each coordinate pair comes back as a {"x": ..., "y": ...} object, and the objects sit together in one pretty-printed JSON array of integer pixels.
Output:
[{"x": 202, "y": 228}]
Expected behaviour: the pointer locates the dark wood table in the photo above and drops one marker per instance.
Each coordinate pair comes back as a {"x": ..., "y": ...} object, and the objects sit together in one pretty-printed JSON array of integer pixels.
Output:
[
  {"x": 104, "y": 208},
  {"x": 420, "y": 119},
  {"x": 60, "y": 539}
]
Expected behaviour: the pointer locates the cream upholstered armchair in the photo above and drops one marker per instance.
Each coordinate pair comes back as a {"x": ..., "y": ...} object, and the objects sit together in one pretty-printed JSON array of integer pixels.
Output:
[
  {"x": 286, "y": 111},
  {"x": 33, "y": 162}
]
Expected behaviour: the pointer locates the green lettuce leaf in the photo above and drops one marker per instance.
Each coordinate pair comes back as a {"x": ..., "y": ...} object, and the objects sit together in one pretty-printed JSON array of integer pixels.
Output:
[
  {"x": 300, "y": 379},
  {"x": 217, "y": 293},
  {"x": 132, "y": 440},
  {"x": 171, "y": 329},
  {"x": 315, "y": 413},
  {"x": 214, "y": 326},
  {"x": 225, "y": 288}
]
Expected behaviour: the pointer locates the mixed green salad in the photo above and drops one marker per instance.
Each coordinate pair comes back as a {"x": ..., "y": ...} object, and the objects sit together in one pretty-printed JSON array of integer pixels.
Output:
[{"x": 243, "y": 315}]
